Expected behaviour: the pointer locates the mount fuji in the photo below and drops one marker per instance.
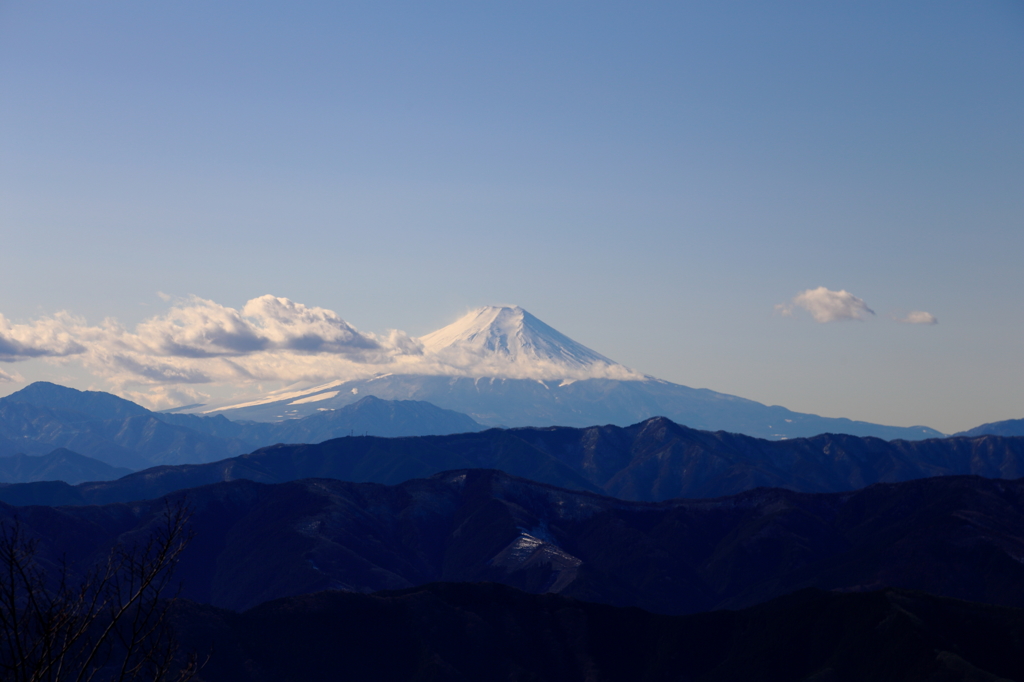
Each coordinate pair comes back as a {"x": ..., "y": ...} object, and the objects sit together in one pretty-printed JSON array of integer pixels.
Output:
[
  {"x": 508, "y": 342},
  {"x": 504, "y": 367}
]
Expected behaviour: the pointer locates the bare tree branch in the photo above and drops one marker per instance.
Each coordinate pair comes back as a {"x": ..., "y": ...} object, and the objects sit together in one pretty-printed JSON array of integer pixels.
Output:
[{"x": 112, "y": 624}]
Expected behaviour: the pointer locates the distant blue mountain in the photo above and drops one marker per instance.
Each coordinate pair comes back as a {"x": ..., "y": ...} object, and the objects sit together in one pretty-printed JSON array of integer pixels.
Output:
[
  {"x": 45, "y": 416},
  {"x": 59, "y": 465},
  {"x": 1009, "y": 427},
  {"x": 587, "y": 402}
]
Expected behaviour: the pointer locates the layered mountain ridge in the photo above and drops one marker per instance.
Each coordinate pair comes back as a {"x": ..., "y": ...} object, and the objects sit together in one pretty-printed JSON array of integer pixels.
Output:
[
  {"x": 653, "y": 460},
  {"x": 44, "y": 417},
  {"x": 954, "y": 536}
]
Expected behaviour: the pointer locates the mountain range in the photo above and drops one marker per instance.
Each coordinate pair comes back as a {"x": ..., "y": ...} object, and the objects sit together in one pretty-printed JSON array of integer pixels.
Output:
[
  {"x": 604, "y": 552},
  {"x": 43, "y": 417},
  {"x": 653, "y": 460},
  {"x": 1009, "y": 427},
  {"x": 504, "y": 367},
  {"x": 59, "y": 465},
  {"x": 954, "y": 536}
]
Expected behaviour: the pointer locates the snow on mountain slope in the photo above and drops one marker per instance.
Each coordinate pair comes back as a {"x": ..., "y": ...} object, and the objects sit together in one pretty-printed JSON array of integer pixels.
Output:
[
  {"x": 493, "y": 342},
  {"x": 504, "y": 367},
  {"x": 295, "y": 396},
  {"x": 508, "y": 342}
]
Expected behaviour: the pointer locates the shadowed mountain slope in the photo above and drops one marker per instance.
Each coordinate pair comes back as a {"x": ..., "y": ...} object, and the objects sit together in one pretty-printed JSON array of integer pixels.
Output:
[
  {"x": 59, "y": 465},
  {"x": 484, "y": 632},
  {"x": 96, "y": 404},
  {"x": 375, "y": 417},
  {"x": 653, "y": 460},
  {"x": 1010, "y": 427},
  {"x": 954, "y": 536},
  {"x": 135, "y": 442}
]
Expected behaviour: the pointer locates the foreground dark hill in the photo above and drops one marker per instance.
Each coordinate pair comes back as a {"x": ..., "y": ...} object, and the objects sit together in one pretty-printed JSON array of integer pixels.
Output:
[
  {"x": 484, "y": 632},
  {"x": 953, "y": 536},
  {"x": 653, "y": 460},
  {"x": 45, "y": 416}
]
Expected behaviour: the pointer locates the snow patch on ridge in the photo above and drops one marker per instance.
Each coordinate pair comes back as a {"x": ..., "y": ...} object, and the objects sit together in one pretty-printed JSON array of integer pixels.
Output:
[
  {"x": 530, "y": 552},
  {"x": 315, "y": 398},
  {"x": 280, "y": 396}
]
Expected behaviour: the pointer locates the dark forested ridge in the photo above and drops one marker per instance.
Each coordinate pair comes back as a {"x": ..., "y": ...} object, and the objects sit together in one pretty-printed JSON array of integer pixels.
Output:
[
  {"x": 954, "y": 536},
  {"x": 654, "y": 460},
  {"x": 485, "y": 632}
]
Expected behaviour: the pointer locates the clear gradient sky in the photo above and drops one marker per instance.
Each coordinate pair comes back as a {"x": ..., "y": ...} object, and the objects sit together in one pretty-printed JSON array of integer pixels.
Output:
[{"x": 658, "y": 181}]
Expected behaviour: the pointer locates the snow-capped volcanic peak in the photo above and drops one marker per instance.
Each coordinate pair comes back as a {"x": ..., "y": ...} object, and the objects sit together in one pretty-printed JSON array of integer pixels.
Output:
[
  {"x": 508, "y": 341},
  {"x": 512, "y": 333}
]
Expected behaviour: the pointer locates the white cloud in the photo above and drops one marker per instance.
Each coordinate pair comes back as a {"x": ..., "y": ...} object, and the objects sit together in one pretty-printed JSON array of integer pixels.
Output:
[
  {"x": 918, "y": 317},
  {"x": 826, "y": 305},
  {"x": 270, "y": 339},
  {"x": 195, "y": 328},
  {"x": 199, "y": 341},
  {"x": 198, "y": 348},
  {"x": 294, "y": 326},
  {"x": 164, "y": 397},
  {"x": 198, "y": 328},
  {"x": 47, "y": 337}
]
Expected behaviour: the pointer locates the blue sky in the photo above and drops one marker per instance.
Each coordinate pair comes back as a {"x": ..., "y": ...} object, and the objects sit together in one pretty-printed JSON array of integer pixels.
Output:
[{"x": 652, "y": 181}]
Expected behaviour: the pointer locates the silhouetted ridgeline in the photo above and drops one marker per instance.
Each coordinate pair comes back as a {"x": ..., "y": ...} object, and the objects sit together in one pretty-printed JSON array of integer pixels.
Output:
[
  {"x": 653, "y": 460},
  {"x": 485, "y": 632}
]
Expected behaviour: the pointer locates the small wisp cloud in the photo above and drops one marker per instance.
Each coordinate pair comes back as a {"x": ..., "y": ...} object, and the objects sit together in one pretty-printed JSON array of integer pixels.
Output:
[
  {"x": 917, "y": 317},
  {"x": 14, "y": 378},
  {"x": 826, "y": 305}
]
